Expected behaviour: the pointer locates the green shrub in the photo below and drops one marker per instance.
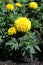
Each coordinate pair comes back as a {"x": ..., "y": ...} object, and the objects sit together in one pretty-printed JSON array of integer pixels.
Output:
[{"x": 26, "y": 41}]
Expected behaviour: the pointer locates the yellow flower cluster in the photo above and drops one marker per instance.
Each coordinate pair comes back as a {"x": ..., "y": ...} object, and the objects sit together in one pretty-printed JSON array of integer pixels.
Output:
[
  {"x": 22, "y": 24},
  {"x": 10, "y": 6},
  {"x": 18, "y": 4},
  {"x": 11, "y": 31},
  {"x": 33, "y": 5}
]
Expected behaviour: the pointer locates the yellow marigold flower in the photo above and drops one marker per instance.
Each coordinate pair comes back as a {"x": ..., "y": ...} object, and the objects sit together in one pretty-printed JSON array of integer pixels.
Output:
[
  {"x": 10, "y": 6},
  {"x": 22, "y": 24},
  {"x": 18, "y": 4},
  {"x": 11, "y": 31},
  {"x": 33, "y": 5}
]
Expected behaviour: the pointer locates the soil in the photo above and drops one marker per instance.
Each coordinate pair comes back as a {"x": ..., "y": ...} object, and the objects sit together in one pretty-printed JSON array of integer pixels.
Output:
[{"x": 10, "y": 62}]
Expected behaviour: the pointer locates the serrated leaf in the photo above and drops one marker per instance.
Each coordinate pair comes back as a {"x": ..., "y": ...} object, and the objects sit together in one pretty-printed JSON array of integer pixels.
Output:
[
  {"x": 14, "y": 46},
  {"x": 31, "y": 56},
  {"x": 37, "y": 48},
  {"x": 32, "y": 50},
  {"x": 23, "y": 53},
  {"x": 28, "y": 47},
  {"x": 1, "y": 39},
  {"x": 9, "y": 43}
]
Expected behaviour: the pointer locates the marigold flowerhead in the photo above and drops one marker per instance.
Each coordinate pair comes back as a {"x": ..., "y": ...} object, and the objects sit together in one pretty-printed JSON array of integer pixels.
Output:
[
  {"x": 11, "y": 31},
  {"x": 10, "y": 6},
  {"x": 33, "y": 5},
  {"x": 22, "y": 24},
  {"x": 18, "y": 4}
]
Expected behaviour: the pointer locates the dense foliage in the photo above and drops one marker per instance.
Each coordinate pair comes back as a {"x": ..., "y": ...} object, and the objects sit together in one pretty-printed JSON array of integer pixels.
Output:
[{"x": 10, "y": 11}]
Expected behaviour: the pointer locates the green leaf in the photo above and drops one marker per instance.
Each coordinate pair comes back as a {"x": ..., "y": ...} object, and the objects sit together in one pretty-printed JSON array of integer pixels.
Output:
[
  {"x": 37, "y": 48},
  {"x": 23, "y": 53},
  {"x": 14, "y": 46},
  {"x": 1, "y": 40},
  {"x": 9, "y": 43},
  {"x": 35, "y": 23},
  {"x": 28, "y": 47},
  {"x": 14, "y": 40},
  {"x": 32, "y": 50},
  {"x": 31, "y": 56}
]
